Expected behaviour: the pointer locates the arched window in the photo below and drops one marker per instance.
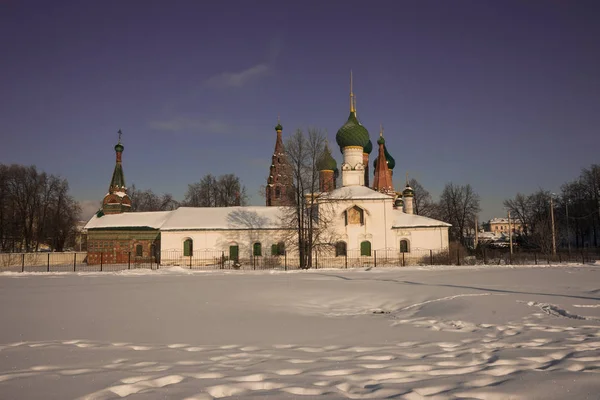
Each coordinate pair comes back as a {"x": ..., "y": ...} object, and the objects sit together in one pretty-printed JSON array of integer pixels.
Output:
[
  {"x": 277, "y": 192},
  {"x": 404, "y": 247},
  {"x": 355, "y": 216},
  {"x": 188, "y": 247},
  {"x": 365, "y": 248},
  {"x": 257, "y": 249},
  {"x": 138, "y": 250},
  {"x": 340, "y": 249}
]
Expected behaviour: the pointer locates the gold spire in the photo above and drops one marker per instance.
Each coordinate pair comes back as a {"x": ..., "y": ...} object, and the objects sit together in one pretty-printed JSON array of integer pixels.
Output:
[
  {"x": 380, "y": 129},
  {"x": 120, "y": 133},
  {"x": 352, "y": 100}
]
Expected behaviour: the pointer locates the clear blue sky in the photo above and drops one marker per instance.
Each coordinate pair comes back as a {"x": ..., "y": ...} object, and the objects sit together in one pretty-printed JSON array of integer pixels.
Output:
[{"x": 503, "y": 95}]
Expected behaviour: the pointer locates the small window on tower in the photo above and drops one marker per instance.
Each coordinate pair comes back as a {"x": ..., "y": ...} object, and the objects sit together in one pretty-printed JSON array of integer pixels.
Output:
[
  {"x": 277, "y": 193},
  {"x": 138, "y": 250}
]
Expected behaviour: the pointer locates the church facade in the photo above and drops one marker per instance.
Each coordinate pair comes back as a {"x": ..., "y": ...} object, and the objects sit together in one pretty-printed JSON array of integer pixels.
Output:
[{"x": 361, "y": 219}]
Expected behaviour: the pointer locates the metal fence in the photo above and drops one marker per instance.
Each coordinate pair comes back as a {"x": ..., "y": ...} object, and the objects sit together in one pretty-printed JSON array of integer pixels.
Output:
[
  {"x": 66, "y": 262},
  {"x": 216, "y": 259}
]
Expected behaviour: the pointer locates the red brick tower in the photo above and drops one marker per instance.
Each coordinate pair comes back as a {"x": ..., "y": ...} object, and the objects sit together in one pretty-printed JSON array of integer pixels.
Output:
[
  {"x": 382, "y": 182},
  {"x": 278, "y": 192}
]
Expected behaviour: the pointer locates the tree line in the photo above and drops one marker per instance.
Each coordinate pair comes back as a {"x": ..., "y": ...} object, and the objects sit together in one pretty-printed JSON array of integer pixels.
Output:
[
  {"x": 35, "y": 209},
  {"x": 211, "y": 191},
  {"x": 576, "y": 212}
]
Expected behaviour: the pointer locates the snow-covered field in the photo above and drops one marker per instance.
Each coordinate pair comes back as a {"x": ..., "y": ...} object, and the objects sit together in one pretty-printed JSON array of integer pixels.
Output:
[{"x": 409, "y": 333}]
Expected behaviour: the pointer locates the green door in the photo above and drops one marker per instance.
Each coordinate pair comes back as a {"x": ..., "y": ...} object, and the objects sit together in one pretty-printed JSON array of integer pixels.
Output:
[
  {"x": 234, "y": 252},
  {"x": 187, "y": 248},
  {"x": 365, "y": 248}
]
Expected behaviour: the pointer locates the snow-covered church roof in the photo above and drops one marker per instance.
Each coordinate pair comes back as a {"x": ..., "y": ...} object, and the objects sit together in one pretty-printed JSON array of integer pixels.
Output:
[
  {"x": 403, "y": 220},
  {"x": 194, "y": 218},
  {"x": 141, "y": 220},
  {"x": 220, "y": 218},
  {"x": 355, "y": 193}
]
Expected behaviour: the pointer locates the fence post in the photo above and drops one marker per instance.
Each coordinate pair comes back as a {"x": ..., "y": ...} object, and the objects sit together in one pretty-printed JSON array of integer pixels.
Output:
[
  {"x": 129, "y": 260},
  {"x": 346, "y": 260},
  {"x": 559, "y": 258},
  {"x": 535, "y": 257},
  {"x": 74, "y": 262},
  {"x": 582, "y": 257},
  {"x": 23, "y": 262},
  {"x": 285, "y": 260},
  {"x": 510, "y": 257},
  {"x": 223, "y": 260},
  {"x": 457, "y": 256},
  {"x": 48, "y": 263},
  {"x": 375, "y": 259},
  {"x": 101, "y": 260},
  {"x": 254, "y": 262},
  {"x": 431, "y": 256},
  {"x": 190, "y": 260},
  {"x": 403, "y": 261}
]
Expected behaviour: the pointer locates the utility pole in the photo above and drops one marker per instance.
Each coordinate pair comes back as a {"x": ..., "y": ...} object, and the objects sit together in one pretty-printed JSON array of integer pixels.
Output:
[
  {"x": 568, "y": 231},
  {"x": 510, "y": 233},
  {"x": 476, "y": 232},
  {"x": 553, "y": 233}
]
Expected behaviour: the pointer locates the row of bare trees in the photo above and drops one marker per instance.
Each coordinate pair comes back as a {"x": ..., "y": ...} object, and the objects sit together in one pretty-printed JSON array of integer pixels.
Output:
[
  {"x": 210, "y": 191},
  {"x": 576, "y": 212},
  {"x": 35, "y": 209}
]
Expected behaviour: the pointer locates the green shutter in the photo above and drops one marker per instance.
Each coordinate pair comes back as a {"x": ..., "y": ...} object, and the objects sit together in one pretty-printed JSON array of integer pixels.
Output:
[
  {"x": 365, "y": 248},
  {"x": 257, "y": 249},
  {"x": 234, "y": 252},
  {"x": 187, "y": 248},
  {"x": 274, "y": 250}
]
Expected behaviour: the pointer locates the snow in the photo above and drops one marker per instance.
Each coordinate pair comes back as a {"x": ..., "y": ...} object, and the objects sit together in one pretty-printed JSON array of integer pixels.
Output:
[
  {"x": 120, "y": 194},
  {"x": 403, "y": 220},
  {"x": 203, "y": 218},
  {"x": 154, "y": 220},
  {"x": 356, "y": 193},
  {"x": 439, "y": 332}
]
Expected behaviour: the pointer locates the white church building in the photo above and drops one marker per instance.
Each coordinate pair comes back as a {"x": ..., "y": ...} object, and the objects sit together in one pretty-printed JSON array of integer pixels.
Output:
[{"x": 362, "y": 218}]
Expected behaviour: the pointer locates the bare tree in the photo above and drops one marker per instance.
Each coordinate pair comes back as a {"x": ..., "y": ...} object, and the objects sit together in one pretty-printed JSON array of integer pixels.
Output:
[
  {"x": 35, "y": 209},
  {"x": 308, "y": 219},
  {"x": 458, "y": 206},
  {"x": 224, "y": 191},
  {"x": 533, "y": 212},
  {"x": 147, "y": 200},
  {"x": 422, "y": 201}
]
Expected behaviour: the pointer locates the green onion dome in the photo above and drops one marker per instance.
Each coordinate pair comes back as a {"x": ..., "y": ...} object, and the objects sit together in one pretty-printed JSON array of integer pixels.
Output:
[
  {"x": 119, "y": 148},
  {"x": 391, "y": 163},
  {"x": 278, "y": 127},
  {"x": 381, "y": 140},
  {"x": 368, "y": 148},
  {"x": 352, "y": 133},
  {"x": 326, "y": 161},
  {"x": 408, "y": 191}
]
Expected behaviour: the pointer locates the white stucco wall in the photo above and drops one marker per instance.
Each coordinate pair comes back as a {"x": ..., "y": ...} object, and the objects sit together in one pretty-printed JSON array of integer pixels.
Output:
[
  {"x": 377, "y": 228},
  {"x": 219, "y": 240}
]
